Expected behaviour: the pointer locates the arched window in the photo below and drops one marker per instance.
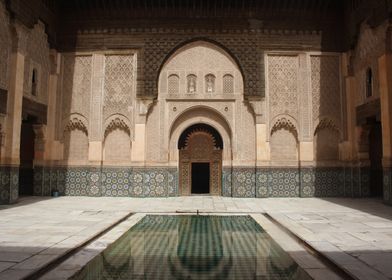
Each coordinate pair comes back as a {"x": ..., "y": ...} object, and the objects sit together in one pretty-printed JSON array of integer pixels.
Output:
[
  {"x": 369, "y": 82},
  {"x": 191, "y": 83},
  {"x": 173, "y": 84},
  {"x": 210, "y": 83},
  {"x": 228, "y": 83},
  {"x": 34, "y": 82}
]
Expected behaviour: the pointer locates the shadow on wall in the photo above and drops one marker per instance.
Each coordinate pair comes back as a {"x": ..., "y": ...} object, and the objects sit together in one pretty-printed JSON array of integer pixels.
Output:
[
  {"x": 74, "y": 107},
  {"x": 71, "y": 126},
  {"x": 328, "y": 130}
]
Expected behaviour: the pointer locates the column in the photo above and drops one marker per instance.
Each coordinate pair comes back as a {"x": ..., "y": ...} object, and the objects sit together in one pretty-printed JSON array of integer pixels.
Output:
[
  {"x": 385, "y": 72},
  {"x": 306, "y": 141},
  {"x": 10, "y": 172},
  {"x": 95, "y": 137},
  {"x": 52, "y": 147}
]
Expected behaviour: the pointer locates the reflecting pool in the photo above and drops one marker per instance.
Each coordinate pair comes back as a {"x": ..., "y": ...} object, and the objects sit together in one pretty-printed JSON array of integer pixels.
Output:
[{"x": 194, "y": 247}]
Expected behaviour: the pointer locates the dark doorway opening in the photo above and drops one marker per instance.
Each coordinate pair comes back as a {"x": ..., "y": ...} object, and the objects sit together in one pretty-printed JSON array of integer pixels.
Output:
[
  {"x": 201, "y": 178},
  {"x": 26, "y": 170},
  {"x": 375, "y": 156}
]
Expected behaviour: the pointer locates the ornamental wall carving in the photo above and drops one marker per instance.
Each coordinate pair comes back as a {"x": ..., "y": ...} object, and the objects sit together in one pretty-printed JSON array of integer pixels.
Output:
[
  {"x": 200, "y": 69},
  {"x": 5, "y": 47},
  {"x": 75, "y": 139},
  {"x": 305, "y": 88},
  {"x": 326, "y": 140},
  {"x": 117, "y": 141},
  {"x": 119, "y": 85},
  {"x": 284, "y": 140},
  {"x": 326, "y": 92},
  {"x": 37, "y": 59},
  {"x": 283, "y": 85},
  {"x": 372, "y": 43},
  {"x": 76, "y": 86}
]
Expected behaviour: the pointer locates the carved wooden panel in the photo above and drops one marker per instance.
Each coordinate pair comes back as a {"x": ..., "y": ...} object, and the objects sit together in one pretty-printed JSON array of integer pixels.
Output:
[{"x": 200, "y": 147}]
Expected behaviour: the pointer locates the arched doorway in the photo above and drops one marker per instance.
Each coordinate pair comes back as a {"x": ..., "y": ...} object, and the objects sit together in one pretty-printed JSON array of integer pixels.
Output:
[
  {"x": 375, "y": 157},
  {"x": 200, "y": 158},
  {"x": 27, "y": 145}
]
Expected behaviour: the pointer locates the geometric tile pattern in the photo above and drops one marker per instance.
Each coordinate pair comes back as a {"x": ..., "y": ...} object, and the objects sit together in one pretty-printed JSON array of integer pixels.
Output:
[
  {"x": 387, "y": 182},
  {"x": 328, "y": 182},
  {"x": 243, "y": 182},
  {"x": 226, "y": 182},
  {"x": 283, "y": 182},
  {"x": 349, "y": 181},
  {"x": 9, "y": 184},
  {"x": 106, "y": 181},
  {"x": 262, "y": 189}
]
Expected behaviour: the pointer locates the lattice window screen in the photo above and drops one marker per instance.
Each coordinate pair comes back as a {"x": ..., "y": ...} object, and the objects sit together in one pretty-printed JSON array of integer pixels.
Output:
[
  {"x": 228, "y": 84},
  {"x": 173, "y": 84}
]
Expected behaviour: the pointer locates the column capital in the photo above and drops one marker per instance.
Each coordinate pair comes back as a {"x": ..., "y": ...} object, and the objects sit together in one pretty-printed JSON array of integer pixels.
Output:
[{"x": 20, "y": 37}]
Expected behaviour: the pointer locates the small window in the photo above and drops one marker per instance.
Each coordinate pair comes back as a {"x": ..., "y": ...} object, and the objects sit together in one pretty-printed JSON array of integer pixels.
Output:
[
  {"x": 228, "y": 83},
  {"x": 34, "y": 82},
  {"x": 191, "y": 83},
  {"x": 210, "y": 83},
  {"x": 174, "y": 84},
  {"x": 369, "y": 82}
]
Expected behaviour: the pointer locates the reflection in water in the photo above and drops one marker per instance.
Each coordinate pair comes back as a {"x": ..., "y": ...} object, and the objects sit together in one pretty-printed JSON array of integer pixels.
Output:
[{"x": 194, "y": 247}]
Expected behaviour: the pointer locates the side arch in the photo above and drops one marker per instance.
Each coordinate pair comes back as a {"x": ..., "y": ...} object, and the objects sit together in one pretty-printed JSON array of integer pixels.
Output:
[
  {"x": 326, "y": 140},
  {"x": 76, "y": 122},
  {"x": 284, "y": 140},
  {"x": 116, "y": 121},
  {"x": 76, "y": 142},
  {"x": 285, "y": 122},
  {"x": 117, "y": 140}
]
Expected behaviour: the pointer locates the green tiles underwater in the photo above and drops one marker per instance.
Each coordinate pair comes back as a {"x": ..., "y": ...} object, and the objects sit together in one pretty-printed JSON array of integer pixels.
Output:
[{"x": 194, "y": 247}]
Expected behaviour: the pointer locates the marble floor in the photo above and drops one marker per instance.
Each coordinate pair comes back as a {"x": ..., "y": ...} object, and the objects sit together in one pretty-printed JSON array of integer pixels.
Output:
[{"x": 356, "y": 234}]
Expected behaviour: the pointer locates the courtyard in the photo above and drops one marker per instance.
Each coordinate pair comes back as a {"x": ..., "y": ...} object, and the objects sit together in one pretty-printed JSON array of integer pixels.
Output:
[{"x": 355, "y": 234}]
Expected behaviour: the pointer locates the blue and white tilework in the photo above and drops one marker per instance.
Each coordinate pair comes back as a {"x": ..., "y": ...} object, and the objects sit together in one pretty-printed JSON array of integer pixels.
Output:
[
  {"x": 226, "y": 182},
  {"x": 387, "y": 182},
  {"x": 163, "y": 181},
  {"x": 262, "y": 182},
  {"x": 283, "y": 182},
  {"x": 9, "y": 184},
  {"x": 243, "y": 182}
]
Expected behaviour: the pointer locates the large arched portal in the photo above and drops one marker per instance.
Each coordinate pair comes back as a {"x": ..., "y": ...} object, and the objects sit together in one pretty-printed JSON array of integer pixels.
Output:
[{"x": 200, "y": 158}]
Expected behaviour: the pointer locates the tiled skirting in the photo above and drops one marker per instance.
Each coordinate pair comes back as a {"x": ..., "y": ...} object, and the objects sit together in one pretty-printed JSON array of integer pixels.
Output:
[
  {"x": 93, "y": 181},
  {"x": 294, "y": 182},
  {"x": 388, "y": 185},
  {"x": 163, "y": 182},
  {"x": 9, "y": 180}
]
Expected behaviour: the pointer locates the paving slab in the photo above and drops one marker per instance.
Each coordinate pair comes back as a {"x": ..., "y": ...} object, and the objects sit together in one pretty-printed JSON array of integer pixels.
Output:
[{"x": 356, "y": 233}]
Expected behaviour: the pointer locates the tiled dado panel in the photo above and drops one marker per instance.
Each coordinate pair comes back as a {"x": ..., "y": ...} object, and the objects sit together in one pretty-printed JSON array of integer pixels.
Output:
[
  {"x": 91, "y": 181},
  {"x": 226, "y": 182},
  {"x": 236, "y": 181},
  {"x": 322, "y": 182},
  {"x": 356, "y": 181},
  {"x": 9, "y": 180},
  {"x": 388, "y": 185},
  {"x": 243, "y": 181},
  {"x": 305, "y": 182}
]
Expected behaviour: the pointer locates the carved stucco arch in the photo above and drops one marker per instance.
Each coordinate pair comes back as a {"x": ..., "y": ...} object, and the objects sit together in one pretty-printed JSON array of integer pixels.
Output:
[
  {"x": 285, "y": 122},
  {"x": 326, "y": 123},
  {"x": 117, "y": 121},
  {"x": 75, "y": 121},
  {"x": 203, "y": 115},
  {"x": 213, "y": 43}
]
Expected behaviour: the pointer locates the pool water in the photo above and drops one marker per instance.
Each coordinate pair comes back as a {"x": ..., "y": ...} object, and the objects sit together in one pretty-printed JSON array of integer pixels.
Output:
[{"x": 194, "y": 247}]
